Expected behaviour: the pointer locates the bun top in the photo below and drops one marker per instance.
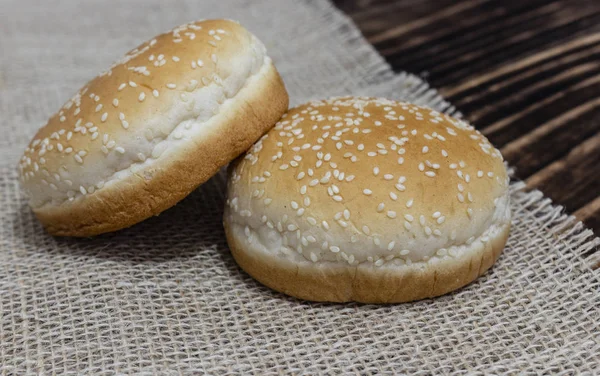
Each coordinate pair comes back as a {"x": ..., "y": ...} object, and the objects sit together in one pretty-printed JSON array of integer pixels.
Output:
[
  {"x": 143, "y": 105},
  {"x": 373, "y": 178}
]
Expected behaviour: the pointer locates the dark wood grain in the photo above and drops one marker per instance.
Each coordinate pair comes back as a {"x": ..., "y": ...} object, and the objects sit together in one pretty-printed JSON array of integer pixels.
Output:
[{"x": 527, "y": 73}]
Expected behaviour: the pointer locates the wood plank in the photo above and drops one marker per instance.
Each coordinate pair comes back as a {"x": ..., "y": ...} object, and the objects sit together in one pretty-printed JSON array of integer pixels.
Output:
[
  {"x": 573, "y": 180},
  {"x": 537, "y": 148},
  {"x": 590, "y": 213},
  {"x": 421, "y": 22},
  {"x": 472, "y": 34},
  {"x": 501, "y": 73},
  {"x": 541, "y": 92},
  {"x": 543, "y": 110},
  {"x": 544, "y": 71}
]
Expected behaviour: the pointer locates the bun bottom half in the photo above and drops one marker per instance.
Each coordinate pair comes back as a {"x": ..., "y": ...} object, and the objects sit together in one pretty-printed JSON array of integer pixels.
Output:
[
  {"x": 241, "y": 121},
  {"x": 366, "y": 283}
]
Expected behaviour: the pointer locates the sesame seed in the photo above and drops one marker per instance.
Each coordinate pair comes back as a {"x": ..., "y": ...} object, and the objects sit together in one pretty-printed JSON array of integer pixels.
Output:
[
  {"x": 393, "y": 196},
  {"x": 461, "y": 198},
  {"x": 409, "y": 203},
  {"x": 337, "y": 198},
  {"x": 141, "y": 97},
  {"x": 407, "y": 225},
  {"x": 104, "y": 117},
  {"x": 325, "y": 225},
  {"x": 120, "y": 149},
  {"x": 409, "y": 217},
  {"x": 391, "y": 214},
  {"x": 367, "y": 192},
  {"x": 175, "y": 58},
  {"x": 82, "y": 190},
  {"x": 391, "y": 245},
  {"x": 430, "y": 174},
  {"x": 115, "y": 102},
  {"x": 98, "y": 107},
  {"x": 171, "y": 86},
  {"x": 122, "y": 86},
  {"x": 334, "y": 249},
  {"x": 366, "y": 230},
  {"x": 425, "y": 149},
  {"x": 441, "y": 220},
  {"x": 155, "y": 93}
]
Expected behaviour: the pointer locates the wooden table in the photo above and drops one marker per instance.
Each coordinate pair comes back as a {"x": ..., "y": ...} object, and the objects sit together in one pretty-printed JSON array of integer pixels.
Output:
[{"x": 525, "y": 72}]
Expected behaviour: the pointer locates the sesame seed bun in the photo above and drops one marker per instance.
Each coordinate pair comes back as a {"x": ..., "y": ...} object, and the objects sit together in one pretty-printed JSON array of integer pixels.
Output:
[
  {"x": 141, "y": 136},
  {"x": 368, "y": 200}
]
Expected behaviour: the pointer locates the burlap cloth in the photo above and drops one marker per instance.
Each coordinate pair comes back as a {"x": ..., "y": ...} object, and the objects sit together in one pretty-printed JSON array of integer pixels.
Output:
[{"x": 165, "y": 297}]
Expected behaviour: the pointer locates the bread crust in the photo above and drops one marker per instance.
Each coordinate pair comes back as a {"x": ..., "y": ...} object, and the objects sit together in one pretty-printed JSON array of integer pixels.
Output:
[
  {"x": 240, "y": 122},
  {"x": 369, "y": 200}
]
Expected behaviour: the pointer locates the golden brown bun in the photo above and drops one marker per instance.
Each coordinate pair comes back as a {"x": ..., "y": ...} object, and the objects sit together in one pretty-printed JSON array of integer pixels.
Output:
[
  {"x": 370, "y": 200},
  {"x": 140, "y": 137}
]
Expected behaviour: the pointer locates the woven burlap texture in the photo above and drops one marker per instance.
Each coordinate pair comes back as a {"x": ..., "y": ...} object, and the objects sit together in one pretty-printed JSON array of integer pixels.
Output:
[{"x": 165, "y": 297}]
